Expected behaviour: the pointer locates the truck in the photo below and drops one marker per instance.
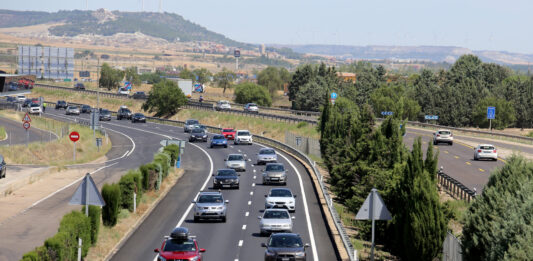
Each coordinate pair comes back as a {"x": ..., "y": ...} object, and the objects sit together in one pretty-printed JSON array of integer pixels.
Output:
[{"x": 185, "y": 85}]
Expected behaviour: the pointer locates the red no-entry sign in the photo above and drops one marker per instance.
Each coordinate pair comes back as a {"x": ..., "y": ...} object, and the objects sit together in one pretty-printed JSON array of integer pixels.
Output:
[{"x": 74, "y": 136}]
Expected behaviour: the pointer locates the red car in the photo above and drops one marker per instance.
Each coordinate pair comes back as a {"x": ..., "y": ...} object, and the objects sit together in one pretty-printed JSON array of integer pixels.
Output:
[
  {"x": 179, "y": 246},
  {"x": 228, "y": 133}
]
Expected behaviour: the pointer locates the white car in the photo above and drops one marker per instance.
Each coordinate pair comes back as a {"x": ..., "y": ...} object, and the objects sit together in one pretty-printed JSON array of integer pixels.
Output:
[
  {"x": 243, "y": 137},
  {"x": 275, "y": 221},
  {"x": 21, "y": 98},
  {"x": 123, "y": 91},
  {"x": 251, "y": 107},
  {"x": 35, "y": 108},
  {"x": 485, "y": 151},
  {"x": 222, "y": 105},
  {"x": 280, "y": 198},
  {"x": 442, "y": 136}
]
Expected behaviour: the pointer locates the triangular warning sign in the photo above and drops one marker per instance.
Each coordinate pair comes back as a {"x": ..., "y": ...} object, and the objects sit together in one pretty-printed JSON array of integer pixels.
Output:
[
  {"x": 87, "y": 193},
  {"x": 375, "y": 204},
  {"x": 26, "y": 118}
]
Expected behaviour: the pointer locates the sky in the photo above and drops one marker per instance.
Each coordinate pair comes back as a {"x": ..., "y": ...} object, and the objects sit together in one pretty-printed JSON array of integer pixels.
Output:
[{"x": 474, "y": 24}]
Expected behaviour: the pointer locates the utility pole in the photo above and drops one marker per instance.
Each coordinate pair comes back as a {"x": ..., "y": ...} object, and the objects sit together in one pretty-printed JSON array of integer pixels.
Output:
[
  {"x": 98, "y": 84},
  {"x": 160, "y": 6}
]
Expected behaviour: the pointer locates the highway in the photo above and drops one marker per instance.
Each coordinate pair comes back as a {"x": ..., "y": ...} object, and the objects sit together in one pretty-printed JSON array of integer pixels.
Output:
[{"x": 238, "y": 238}]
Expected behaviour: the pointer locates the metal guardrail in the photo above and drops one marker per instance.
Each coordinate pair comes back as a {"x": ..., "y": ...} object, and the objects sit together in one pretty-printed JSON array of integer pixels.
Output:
[{"x": 456, "y": 188}]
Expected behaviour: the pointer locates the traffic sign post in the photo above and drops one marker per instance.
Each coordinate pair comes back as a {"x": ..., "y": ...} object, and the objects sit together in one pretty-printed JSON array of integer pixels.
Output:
[
  {"x": 387, "y": 113},
  {"x": 491, "y": 114},
  {"x": 333, "y": 97},
  {"x": 74, "y": 136}
]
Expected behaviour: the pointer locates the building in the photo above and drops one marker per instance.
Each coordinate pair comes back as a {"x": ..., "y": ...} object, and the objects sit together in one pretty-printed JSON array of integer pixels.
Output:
[
  {"x": 262, "y": 49},
  {"x": 347, "y": 76}
]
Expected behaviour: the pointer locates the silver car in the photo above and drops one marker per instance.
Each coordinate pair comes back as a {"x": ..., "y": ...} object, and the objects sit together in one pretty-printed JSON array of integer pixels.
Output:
[
  {"x": 210, "y": 205},
  {"x": 72, "y": 110},
  {"x": 189, "y": 125},
  {"x": 280, "y": 198},
  {"x": 275, "y": 173},
  {"x": 275, "y": 220},
  {"x": 236, "y": 162},
  {"x": 485, "y": 151},
  {"x": 222, "y": 105},
  {"x": 251, "y": 107},
  {"x": 442, "y": 136},
  {"x": 243, "y": 137},
  {"x": 266, "y": 155}
]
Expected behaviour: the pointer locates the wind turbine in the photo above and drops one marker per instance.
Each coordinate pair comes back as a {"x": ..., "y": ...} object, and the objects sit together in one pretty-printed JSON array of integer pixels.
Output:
[
  {"x": 160, "y": 6},
  {"x": 86, "y": 4}
]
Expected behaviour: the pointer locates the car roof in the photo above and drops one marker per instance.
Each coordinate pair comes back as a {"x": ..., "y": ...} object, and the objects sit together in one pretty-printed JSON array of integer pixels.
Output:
[
  {"x": 485, "y": 145},
  {"x": 239, "y": 154},
  {"x": 210, "y": 193},
  {"x": 272, "y": 189},
  {"x": 284, "y": 234},
  {"x": 444, "y": 130},
  {"x": 276, "y": 209},
  {"x": 262, "y": 149},
  {"x": 243, "y": 130},
  {"x": 274, "y": 163}
]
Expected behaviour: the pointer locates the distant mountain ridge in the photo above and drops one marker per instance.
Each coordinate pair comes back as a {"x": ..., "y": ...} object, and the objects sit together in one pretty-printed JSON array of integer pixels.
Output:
[
  {"x": 168, "y": 26},
  {"x": 424, "y": 53}
]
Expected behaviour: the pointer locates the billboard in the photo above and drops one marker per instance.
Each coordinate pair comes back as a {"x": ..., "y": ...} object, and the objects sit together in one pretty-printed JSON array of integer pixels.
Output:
[{"x": 46, "y": 62}]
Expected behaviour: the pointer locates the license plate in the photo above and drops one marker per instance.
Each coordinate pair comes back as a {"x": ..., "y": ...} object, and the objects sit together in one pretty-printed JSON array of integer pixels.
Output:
[
  {"x": 226, "y": 186},
  {"x": 487, "y": 151},
  {"x": 279, "y": 205},
  {"x": 274, "y": 178},
  {"x": 285, "y": 259}
]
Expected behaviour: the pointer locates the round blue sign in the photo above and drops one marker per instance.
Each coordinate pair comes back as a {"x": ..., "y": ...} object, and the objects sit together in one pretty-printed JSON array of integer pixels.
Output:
[{"x": 333, "y": 95}]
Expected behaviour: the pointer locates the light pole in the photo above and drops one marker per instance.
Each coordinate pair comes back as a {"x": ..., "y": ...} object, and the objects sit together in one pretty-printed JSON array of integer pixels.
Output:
[{"x": 98, "y": 85}]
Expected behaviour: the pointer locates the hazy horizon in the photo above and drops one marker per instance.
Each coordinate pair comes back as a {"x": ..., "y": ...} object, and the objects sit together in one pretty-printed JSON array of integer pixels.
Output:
[{"x": 477, "y": 25}]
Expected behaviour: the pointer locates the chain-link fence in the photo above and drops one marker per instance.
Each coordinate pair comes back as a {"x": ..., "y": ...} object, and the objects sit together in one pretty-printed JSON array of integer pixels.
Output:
[{"x": 307, "y": 145}]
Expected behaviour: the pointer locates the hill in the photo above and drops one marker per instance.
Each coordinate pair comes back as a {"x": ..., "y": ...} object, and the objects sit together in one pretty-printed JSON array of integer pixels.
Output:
[{"x": 168, "y": 26}]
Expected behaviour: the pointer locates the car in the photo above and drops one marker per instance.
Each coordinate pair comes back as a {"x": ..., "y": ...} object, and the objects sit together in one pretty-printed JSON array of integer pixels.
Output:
[
  {"x": 251, "y": 107},
  {"x": 85, "y": 109},
  {"x": 281, "y": 198},
  {"x": 123, "y": 91},
  {"x": 35, "y": 108},
  {"x": 198, "y": 135},
  {"x": 266, "y": 155},
  {"x": 11, "y": 99},
  {"x": 105, "y": 115},
  {"x": 26, "y": 103},
  {"x": 442, "y": 136},
  {"x": 485, "y": 151},
  {"x": 210, "y": 205},
  {"x": 12, "y": 86},
  {"x": 139, "y": 95},
  {"x": 236, "y": 162},
  {"x": 138, "y": 117},
  {"x": 72, "y": 110},
  {"x": 79, "y": 86},
  {"x": 21, "y": 98},
  {"x": 285, "y": 246},
  {"x": 243, "y": 137},
  {"x": 200, "y": 126},
  {"x": 228, "y": 133},
  {"x": 123, "y": 113},
  {"x": 226, "y": 178},
  {"x": 189, "y": 125},
  {"x": 222, "y": 105},
  {"x": 3, "y": 168},
  {"x": 179, "y": 246},
  {"x": 275, "y": 220},
  {"x": 218, "y": 140},
  {"x": 275, "y": 173},
  {"x": 61, "y": 105}
]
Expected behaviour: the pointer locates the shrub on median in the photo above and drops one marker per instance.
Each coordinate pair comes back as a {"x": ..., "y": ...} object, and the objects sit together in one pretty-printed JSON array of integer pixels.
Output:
[
  {"x": 111, "y": 195},
  {"x": 75, "y": 225},
  {"x": 173, "y": 150},
  {"x": 164, "y": 160},
  {"x": 95, "y": 213},
  {"x": 150, "y": 174},
  {"x": 130, "y": 183}
]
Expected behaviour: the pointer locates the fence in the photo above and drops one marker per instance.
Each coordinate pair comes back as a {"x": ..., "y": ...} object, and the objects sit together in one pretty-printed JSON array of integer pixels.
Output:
[
  {"x": 456, "y": 188},
  {"x": 307, "y": 145},
  {"x": 451, "y": 250}
]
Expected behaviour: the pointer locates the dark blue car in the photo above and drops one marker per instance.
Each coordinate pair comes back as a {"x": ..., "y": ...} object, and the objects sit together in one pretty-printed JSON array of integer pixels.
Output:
[{"x": 219, "y": 140}]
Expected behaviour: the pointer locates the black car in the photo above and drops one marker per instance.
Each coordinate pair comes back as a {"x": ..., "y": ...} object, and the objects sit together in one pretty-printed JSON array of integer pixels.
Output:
[
  {"x": 11, "y": 99},
  {"x": 198, "y": 134},
  {"x": 285, "y": 246},
  {"x": 124, "y": 113},
  {"x": 105, "y": 115},
  {"x": 2, "y": 167},
  {"x": 226, "y": 178},
  {"x": 85, "y": 109},
  {"x": 138, "y": 117},
  {"x": 79, "y": 86},
  {"x": 26, "y": 103},
  {"x": 139, "y": 95},
  {"x": 61, "y": 105}
]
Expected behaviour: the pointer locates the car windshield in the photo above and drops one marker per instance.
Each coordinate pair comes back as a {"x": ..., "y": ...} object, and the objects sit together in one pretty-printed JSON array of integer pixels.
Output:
[
  {"x": 276, "y": 214},
  {"x": 126, "y": 110},
  {"x": 486, "y": 147},
  {"x": 275, "y": 167},
  {"x": 243, "y": 133},
  {"x": 444, "y": 132},
  {"x": 210, "y": 199},
  {"x": 235, "y": 157},
  {"x": 191, "y": 122},
  {"x": 140, "y": 92},
  {"x": 72, "y": 107},
  {"x": 86, "y": 106},
  {"x": 198, "y": 130},
  {"x": 218, "y": 137},
  {"x": 267, "y": 152},
  {"x": 280, "y": 193},
  {"x": 228, "y": 130},
  {"x": 173, "y": 245},
  {"x": 104, "y": 112},
  {"x": 224, "y": 102},
  {"x": 35, "y": 105},
  {"x": 252, "y": 105},
  {"x": 21, "y": 96},
  {"x": 285, "y": 241},
  {"x": 226, "y": 172}
]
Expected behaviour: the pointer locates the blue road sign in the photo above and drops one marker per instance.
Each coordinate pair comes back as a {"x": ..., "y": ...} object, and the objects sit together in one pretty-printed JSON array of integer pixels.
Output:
[
  {"x": 333, "y": 95},
  {"x": 386, "y": 113},
  {"x": 431, "y": 117},
  {"x": 491, "y": 113}
]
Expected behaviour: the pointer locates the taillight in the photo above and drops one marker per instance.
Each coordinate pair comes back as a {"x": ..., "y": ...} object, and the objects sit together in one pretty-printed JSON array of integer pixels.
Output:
[
  {"x": 478, "y": 150},
  {"x": 494, "y": 151},
  {"x": 438, "y": 135}
]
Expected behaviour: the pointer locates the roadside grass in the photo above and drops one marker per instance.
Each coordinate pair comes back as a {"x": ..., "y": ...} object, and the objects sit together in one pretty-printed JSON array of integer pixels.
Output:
[
  {"x": 109, "y": 237},
  {"x": 2, "y": 133},
  {"x": 55, "y": 152},
  {"x": 455, "y": 211}
]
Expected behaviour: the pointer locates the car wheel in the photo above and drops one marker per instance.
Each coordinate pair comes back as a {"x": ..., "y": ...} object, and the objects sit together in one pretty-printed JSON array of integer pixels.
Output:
[
  {"x": 475, "y": 157},
  {"x": 196, "y": 219},
  {"x": 451, "y": 143},
  {"x": 237, "y": 187},
  {"x": 495, "y": 159},
  {"x": 225, "y": 146},
  {"x": 211, "y": 146}
]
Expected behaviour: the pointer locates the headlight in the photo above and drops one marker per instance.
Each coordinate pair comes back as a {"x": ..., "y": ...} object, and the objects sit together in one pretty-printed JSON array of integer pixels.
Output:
[
  {"x": 269, "y": 253},
  {"x": 198, "y": 208},
  {"x": 286, "y": 225},
  {"x": 291, "y": 202},
  {"x": 220, "y": 208},
  {"x": 160, "y": 258},
  {"x": 194, "y": 258},
  {"x": 270, "y": 202},
  {"x": 205, "y": 136},
  {"x": 300, "y": 254}
]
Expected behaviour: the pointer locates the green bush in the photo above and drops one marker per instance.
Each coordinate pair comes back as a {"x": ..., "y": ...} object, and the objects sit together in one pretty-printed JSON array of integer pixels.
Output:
[
  {"x": 55, "y": 247},
  {"x": 127, "y": 188},
  {"x": 95, "y": 213},
  {"x": 164, "y": 160},
  {"x": 251, "y": 92},
  {"x": 173, "y": 150},
  {"x": 150, "y": 174},
  {"x": 31, "y": 256},
  {"x": 76, "y": 225},
  {"x": 301, "y": 124},
  {"x": 111, "y": 195}
]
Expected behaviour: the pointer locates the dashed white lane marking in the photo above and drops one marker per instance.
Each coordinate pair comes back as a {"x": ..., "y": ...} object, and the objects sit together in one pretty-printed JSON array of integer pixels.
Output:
[
  {"x": 250, "y": 160},
  {"x": 246, "y": 214},
  {"x": 240, "y": 243},
  {"x": 251, "y": 193},
  {"x": 249, "y": 203},
  {"x": 253, "y": 184},
  {"x": 239, "y": 150},
  {"x": 254, "y": 170},
  {"x": 254, "y": 176},
  {"x": 232, "y": 148},
  {"x": 243, "y": 227},
  {"x": 245, "y": 155}
]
